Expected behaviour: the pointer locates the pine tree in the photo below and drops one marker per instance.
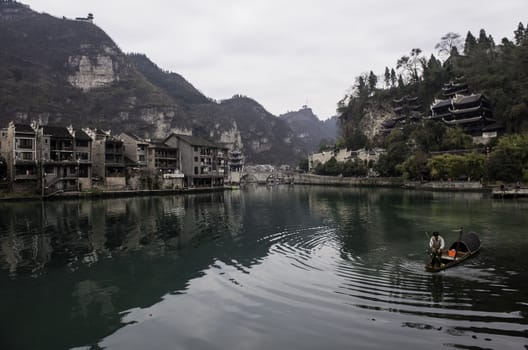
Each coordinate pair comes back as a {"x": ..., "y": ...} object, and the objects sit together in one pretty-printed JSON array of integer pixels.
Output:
[
  {"x": 387, "y": 77},
  {"x": 372, "y": 81},
  {"x": 470, "y": 43},
  {"x": 520, "y": 34},
  {"x": 393, "y": 77}
]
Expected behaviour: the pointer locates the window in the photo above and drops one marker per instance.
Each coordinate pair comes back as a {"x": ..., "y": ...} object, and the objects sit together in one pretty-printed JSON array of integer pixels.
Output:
[
  {"x": 195, "y": 170},
  {"x": 25, "y": 143}
]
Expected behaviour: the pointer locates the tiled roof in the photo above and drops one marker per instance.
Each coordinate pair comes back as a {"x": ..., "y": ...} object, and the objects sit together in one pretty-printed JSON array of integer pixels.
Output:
[
  {"x": 57, "y": 131},
  {"x": 160, "y": 145},
  {"x": 81, "y": 135},
  {"x": 467, "y": 99},
  {"x": 24, "y": 128},
  {"x": 441, "y": 103},
  {"x": 197, "y": 141}
]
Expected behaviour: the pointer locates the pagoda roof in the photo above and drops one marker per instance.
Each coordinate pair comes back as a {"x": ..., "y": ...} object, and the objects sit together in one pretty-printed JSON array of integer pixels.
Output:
[
  {"x": 469, "y": 110},
  {"x": 469, "y": 99},
  {"x": 454, "y": 86},
  {"x": 463, "y": 120},
  {"x": 440, "y": 104}
]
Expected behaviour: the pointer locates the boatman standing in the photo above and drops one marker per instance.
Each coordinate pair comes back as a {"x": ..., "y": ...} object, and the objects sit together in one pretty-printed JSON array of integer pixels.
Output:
[{"x": 437, "y": 245}]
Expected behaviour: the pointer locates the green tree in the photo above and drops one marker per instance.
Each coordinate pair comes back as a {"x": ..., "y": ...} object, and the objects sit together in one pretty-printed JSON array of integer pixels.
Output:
[
  {"x": 455, "y": 138},
  {"x": 393, "y": 77},
  {"x": 372, "y": 81},
  {"x": 509, "y": 159},
  {"x": 414, "y": 167},
  {"x": 411, "y": 65},
  {"x": 303, "y": 164},
  {"x": 387, "y": 79},
  {"x": 470, "y": 43},
  {"x": 448, "y": 43}
]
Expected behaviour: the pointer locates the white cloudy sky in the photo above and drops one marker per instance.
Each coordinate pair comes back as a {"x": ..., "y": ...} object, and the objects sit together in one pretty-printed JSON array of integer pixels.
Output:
[{"x": 288, "y": 53}]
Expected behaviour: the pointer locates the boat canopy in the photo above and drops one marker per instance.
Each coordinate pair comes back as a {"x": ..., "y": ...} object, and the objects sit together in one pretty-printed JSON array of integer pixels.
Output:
[{"x": 470, "y": 242}]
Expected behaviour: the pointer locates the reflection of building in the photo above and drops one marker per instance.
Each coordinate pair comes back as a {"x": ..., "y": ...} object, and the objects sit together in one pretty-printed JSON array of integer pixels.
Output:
[{"x": 203, "y": 163}]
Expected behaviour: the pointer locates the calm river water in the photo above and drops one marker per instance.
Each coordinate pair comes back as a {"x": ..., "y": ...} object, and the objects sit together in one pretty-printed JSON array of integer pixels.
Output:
[{"x": 261, "y": 268}]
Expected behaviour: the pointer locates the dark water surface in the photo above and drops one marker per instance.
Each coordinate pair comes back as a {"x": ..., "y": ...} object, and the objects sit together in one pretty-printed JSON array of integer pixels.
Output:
[{"x": 262, "y": 268}]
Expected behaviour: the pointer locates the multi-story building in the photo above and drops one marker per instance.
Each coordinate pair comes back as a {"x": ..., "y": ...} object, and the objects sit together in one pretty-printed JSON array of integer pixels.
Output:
[
  {"x": 108, "y": 159},
  {"x": 3, "y": 155},
  {"x": 136, "y": 149},
  {"x": 59, "y": 167},
  {"x": 82, "y": 148},
  {"x": 164, "y": 160},
  {"x": 203, "y": 163},
  {"x": 19, "y": 142}
]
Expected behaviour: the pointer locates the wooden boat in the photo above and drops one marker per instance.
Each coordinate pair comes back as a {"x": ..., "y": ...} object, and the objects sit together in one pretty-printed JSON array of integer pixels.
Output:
[{"x": 462, "y": 249}]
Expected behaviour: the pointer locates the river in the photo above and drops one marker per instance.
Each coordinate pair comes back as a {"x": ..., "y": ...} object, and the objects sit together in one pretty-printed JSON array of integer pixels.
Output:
[{"x": 284, "y": 267}]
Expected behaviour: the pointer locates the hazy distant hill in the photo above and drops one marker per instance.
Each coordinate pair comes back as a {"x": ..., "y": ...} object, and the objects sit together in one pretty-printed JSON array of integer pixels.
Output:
[
  {"x": 64, "y": 71},
  {"x": 310, "y": 129}
]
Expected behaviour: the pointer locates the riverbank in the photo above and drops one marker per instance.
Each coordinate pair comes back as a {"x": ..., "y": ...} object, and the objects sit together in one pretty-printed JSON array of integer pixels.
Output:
[
  {"x": 458, "y": 186},
  {"x": 300, "y": 179},
  {"x": 105, "y": 194}
]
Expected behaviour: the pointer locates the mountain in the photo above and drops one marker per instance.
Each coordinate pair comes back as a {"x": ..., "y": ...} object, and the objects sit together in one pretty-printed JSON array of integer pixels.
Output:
[
  {"x": 66, "y": 71},
  {"x": 61, "y": 71},
  {"x": 312, "y": 131},
  {"x": 263, "y": 137}
]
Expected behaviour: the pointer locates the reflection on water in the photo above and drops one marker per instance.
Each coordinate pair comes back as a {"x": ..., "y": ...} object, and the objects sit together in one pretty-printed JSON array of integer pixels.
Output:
[{"x": 280, "y": 267}]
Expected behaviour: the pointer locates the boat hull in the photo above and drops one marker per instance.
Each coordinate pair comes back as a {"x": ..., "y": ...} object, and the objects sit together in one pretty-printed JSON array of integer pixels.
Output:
[{"x": 463, "y": 249}]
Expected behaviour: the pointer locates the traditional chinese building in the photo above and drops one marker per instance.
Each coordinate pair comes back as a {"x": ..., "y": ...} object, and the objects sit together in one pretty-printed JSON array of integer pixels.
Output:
[
  {"x": 236, "y": 164},
  {"x": 407, "y": 110},
  {"x": 472, "y": 113}
]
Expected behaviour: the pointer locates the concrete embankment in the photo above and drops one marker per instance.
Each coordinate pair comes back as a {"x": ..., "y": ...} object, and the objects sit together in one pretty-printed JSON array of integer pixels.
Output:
[
  {"x": 310, "y": 179},
  {"x": 108, "y": 194}
]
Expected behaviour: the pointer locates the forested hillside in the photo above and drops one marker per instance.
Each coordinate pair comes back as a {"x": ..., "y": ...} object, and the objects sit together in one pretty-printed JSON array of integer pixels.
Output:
[{"x": 497, "y": 70}]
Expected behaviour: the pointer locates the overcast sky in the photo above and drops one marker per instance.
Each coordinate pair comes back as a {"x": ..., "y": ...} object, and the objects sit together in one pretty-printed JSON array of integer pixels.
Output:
[{"x": 285, "y": 54}]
